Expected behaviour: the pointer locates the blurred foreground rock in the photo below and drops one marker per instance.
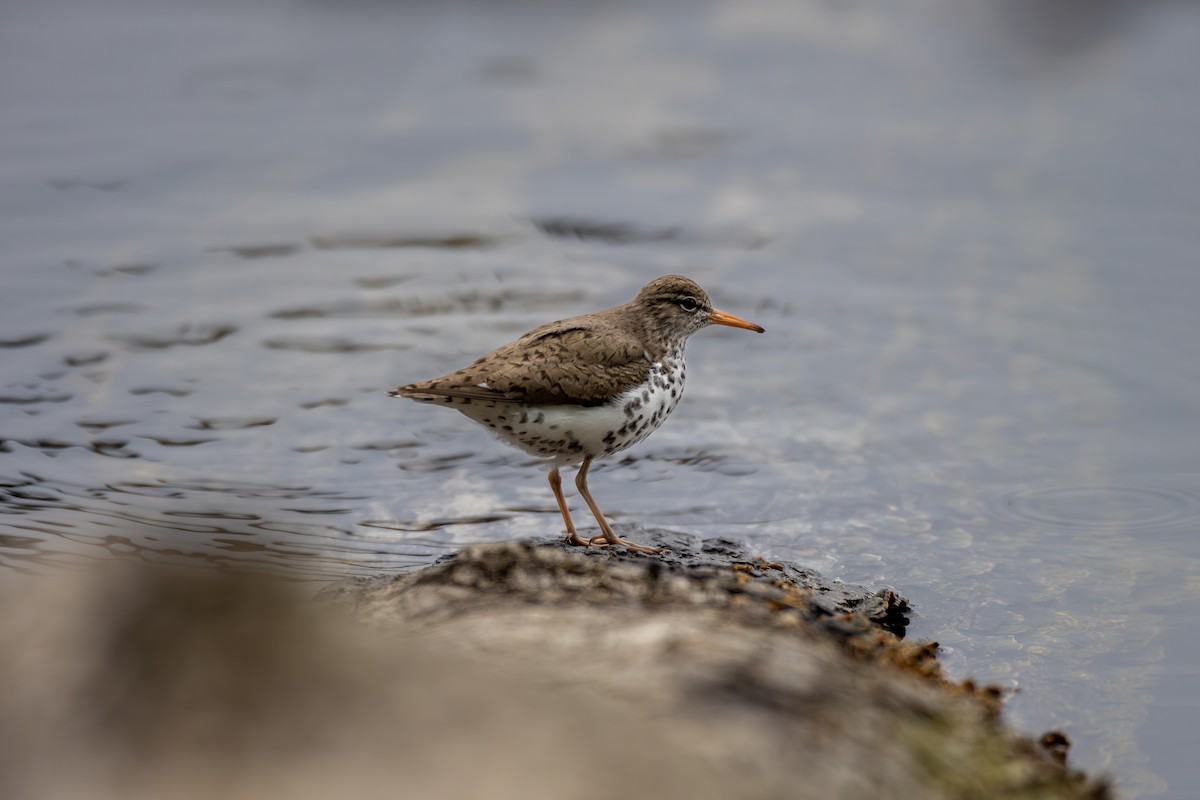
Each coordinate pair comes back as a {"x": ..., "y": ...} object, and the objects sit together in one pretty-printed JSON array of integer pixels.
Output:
[{"x": 518, "y": 669}]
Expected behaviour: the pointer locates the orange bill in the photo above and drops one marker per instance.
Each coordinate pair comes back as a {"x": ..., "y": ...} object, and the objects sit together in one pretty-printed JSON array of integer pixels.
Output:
[{"x": 721, "y": 318}]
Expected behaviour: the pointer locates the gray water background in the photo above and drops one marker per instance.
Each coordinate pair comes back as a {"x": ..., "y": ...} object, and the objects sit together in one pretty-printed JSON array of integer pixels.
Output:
[{"x": 971, "y": 231}]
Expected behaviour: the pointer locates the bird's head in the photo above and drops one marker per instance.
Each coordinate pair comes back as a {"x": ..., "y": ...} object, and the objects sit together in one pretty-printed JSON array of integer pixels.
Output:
[{"x": 678, "y": 308}]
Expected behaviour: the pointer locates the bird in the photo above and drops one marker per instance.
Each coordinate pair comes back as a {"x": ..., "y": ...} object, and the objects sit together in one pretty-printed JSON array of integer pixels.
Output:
[{"x": 585, "y": 387}]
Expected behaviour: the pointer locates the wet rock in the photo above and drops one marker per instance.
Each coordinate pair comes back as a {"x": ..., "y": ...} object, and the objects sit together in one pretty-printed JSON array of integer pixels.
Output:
[
  {"x": 779, "y": 584},
  {"x": 511, "y": 670},
  {"x": 785, "y": 683}
]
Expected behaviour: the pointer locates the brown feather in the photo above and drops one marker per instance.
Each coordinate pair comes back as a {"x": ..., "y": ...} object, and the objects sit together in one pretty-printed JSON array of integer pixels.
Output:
[{"x": 579, "y": 361}]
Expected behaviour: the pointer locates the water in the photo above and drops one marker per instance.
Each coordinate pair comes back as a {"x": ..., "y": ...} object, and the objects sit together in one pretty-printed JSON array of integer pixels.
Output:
[{"x": 970, "y": 230}]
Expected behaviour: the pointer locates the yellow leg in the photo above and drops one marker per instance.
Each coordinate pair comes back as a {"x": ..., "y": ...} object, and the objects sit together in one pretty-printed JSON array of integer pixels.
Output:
[
  {"x": 608, "y": 536},
  {"x": 556, "y": 487}
]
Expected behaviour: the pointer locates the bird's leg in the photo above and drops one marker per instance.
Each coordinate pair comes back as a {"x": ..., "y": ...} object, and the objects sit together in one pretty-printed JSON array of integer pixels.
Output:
[
  {"x": 608, "y": 536},
  {"x": 556, "y": 487}
]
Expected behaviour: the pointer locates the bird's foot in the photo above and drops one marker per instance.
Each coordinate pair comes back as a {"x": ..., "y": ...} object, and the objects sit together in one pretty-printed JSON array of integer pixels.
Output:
[
  {"x": 575, "y": 538},
  {"x": 602, "y": 540}
]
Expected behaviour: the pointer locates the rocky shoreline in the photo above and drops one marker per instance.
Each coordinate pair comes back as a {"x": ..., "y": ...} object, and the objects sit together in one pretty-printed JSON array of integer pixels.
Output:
[
  {"x": 523, "y": 669},
  {"x": 780, "y": 681}
]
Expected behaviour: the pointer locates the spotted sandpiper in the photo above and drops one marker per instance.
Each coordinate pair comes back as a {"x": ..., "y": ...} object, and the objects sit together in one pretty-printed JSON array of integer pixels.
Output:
[{"x": 585, "y": 387}]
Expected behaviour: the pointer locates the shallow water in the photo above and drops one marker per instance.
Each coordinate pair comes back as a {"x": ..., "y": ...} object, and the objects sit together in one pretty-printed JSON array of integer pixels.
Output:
[{"x": 969, "y": 229}]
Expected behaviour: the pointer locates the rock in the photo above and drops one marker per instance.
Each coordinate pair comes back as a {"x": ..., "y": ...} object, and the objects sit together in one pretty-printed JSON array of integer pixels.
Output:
[
  {"x": 783, "y": 682},
  {"x": 511, "y": 670}
]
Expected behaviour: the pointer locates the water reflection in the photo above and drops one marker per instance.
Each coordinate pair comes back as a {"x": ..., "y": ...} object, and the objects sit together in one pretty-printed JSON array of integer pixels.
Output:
[{"x": 173, "y": 519}]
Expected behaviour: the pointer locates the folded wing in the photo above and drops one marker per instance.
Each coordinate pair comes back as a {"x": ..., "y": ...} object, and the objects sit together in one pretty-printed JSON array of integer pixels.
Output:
[{"x": 572, "y": 362}]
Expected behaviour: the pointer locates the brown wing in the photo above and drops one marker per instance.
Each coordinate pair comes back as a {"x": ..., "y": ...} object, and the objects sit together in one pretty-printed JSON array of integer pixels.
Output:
[{"x": 577, "y": 361}]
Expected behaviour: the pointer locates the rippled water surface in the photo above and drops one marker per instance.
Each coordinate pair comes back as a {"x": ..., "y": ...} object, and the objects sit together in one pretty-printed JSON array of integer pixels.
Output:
[{"x": 970, "y": 229}]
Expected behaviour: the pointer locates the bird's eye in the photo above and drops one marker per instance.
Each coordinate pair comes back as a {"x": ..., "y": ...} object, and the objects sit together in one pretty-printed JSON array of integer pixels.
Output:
[{"x": 689, "y": 304}]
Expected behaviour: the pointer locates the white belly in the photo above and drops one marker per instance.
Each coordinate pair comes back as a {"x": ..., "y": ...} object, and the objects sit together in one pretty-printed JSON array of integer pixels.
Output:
[{"x": 569, "y": 433}]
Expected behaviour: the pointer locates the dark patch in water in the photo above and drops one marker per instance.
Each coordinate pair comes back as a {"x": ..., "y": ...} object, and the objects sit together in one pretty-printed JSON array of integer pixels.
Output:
[
  {"x": 436, "y": 464},
  {"x": 240, "y": 545},
  {"x": 385, "y": 446},
  {"x": 383, "y": 282},
  {"x": 211, "y": 515},
  {"x": 697, "y": 459},
  {"x": 85, "y": 359},
  {"x": 431, "y": 525},
  {"x": 168, "y": 442},
  {"x": 100, "y": 425},
  {"x": 19, "y": 542},
  {"x": 1062, "y": 29},
  {"x": 161, "y": 390},
  {"x": 231, "y": 423},
  {"x": 625, "y": 233},
  {"x": 160, "y": 490},
  {"x": 330, "y": 401},
  {"x": 24, "y": 341},
  {"x": 250, "y": 251},
  {"x": 328, "y": 346},
  {"x": 106, "y": 308},
  {"x": 467, "y": 301},
  {"x": 127, "y": 269},
  {"x": 187, "y": 335},
  {"x": 385, "y": 241},
  {"x": 610, "y": 232},
  {"x": 34, "y": 399},
  {"x": 114, "y": 448},
  {"x": 48, "y": 446}
]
